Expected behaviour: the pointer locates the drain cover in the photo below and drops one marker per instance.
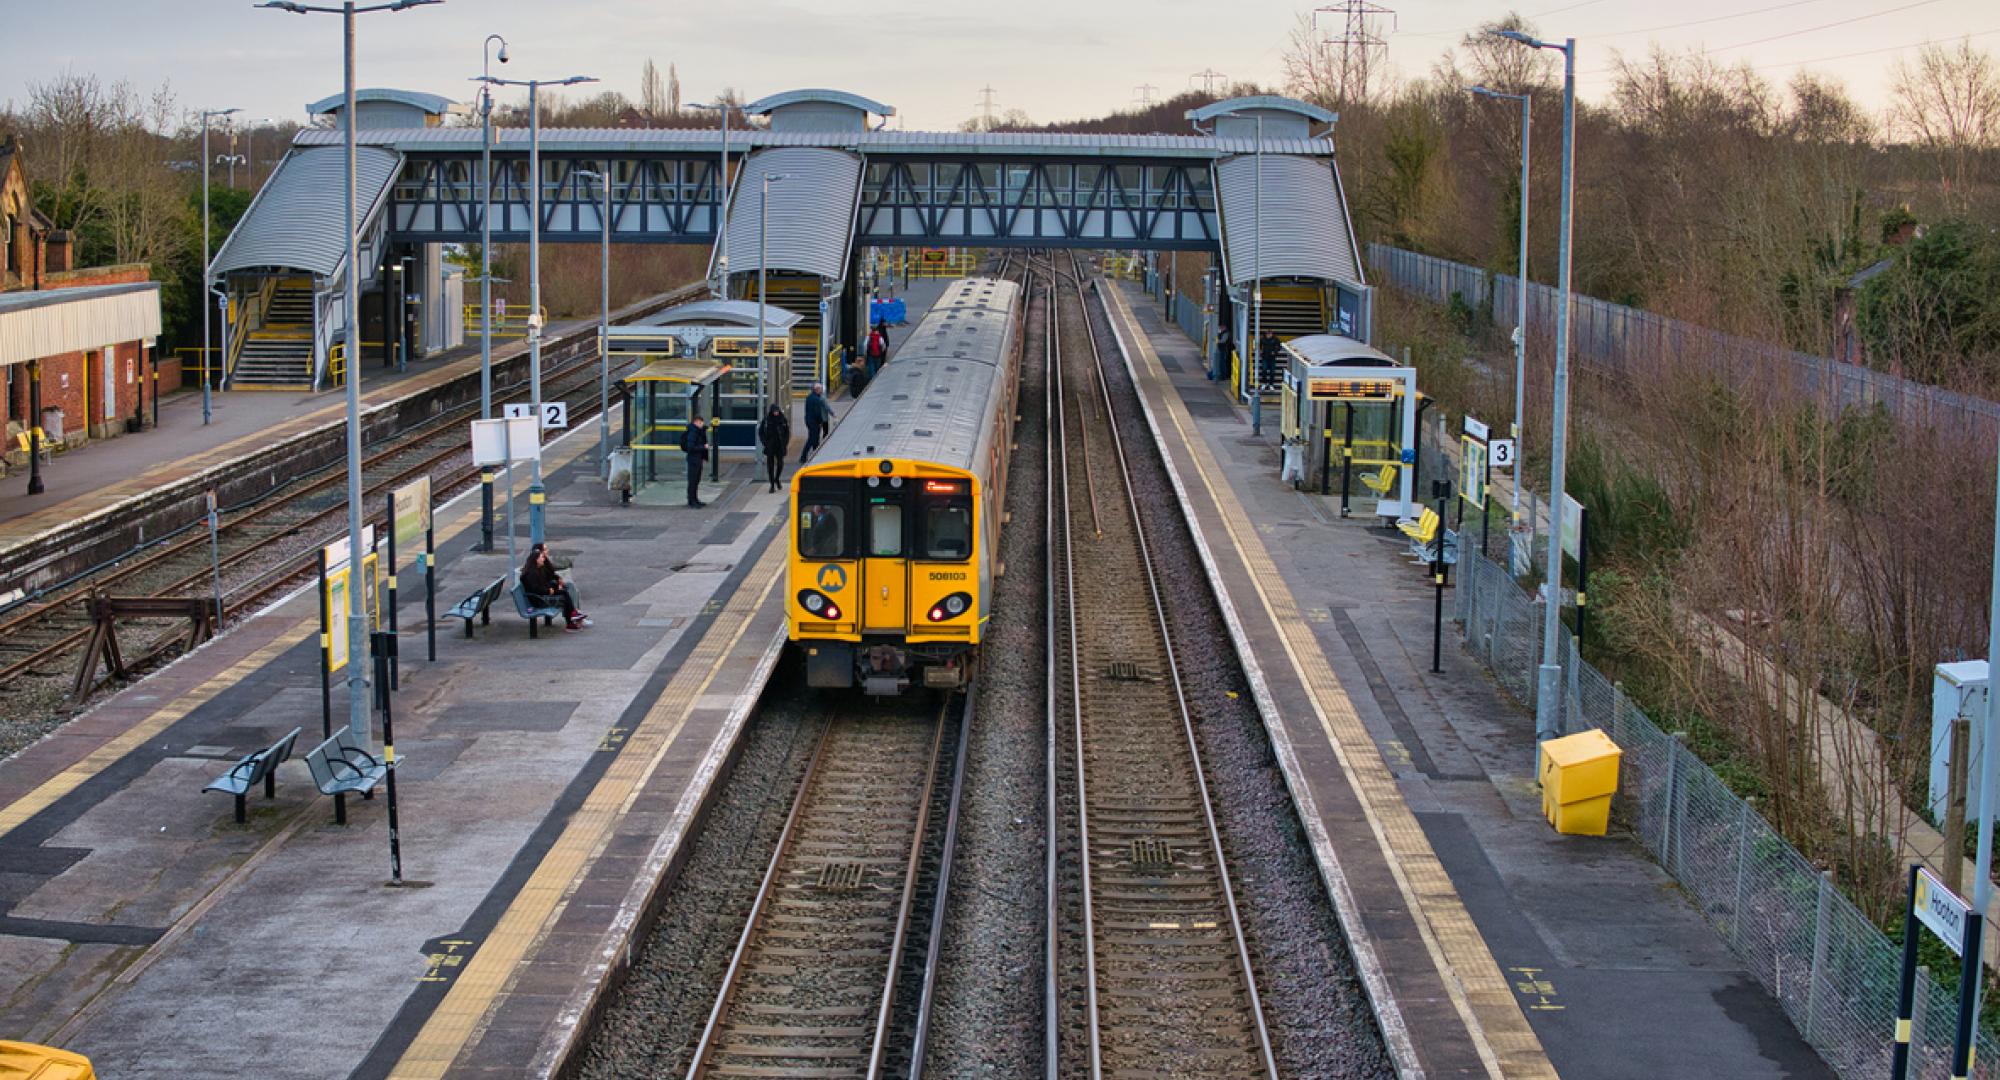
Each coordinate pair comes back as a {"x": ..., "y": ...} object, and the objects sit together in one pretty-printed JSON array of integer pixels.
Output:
[
  {"x": 1152, "y": 853},
  {"x": 1123, "y": 670},
  {"x": 840, "y": 875}
]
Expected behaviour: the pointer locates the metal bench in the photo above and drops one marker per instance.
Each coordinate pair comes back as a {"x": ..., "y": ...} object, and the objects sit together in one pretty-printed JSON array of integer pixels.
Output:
[
  {"x": 1381, "y": 483},
  {"x": 479, "y": 605},
  {"x": 531, "y": 613},
  {"x": 340, "y": 765},
  {"x": 1426, "y": 533},
  {"x": 258, "y": 768}
]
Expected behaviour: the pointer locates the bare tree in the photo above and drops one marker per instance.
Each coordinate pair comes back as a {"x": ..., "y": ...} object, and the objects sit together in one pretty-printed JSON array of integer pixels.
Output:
[
  {"x": 1948, "y": 103},
  {"x": 652, "y": 92}
]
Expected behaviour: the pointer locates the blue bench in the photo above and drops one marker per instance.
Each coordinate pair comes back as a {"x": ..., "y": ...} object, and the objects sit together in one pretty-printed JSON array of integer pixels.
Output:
[
  {"x": 341, "y": 764},
  {"x": 258, "y": 768},
  {"x": 532, "y": 613},
  {"x": 479, "y": 605}
]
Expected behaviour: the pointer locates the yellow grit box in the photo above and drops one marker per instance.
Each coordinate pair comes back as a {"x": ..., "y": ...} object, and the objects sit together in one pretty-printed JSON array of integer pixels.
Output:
[
  {"x": 1579, "y": 775},
  {"x": 26, "y": 1061}
]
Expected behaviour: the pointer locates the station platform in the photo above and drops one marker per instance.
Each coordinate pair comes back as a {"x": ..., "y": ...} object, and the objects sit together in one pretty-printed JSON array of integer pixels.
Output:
[
  {"x": 1507, "y": 950},
  {"x": 102, "y": 474}
]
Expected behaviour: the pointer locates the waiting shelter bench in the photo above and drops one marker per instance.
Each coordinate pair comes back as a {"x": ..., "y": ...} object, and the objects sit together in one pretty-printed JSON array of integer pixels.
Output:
[
  {"x": 532, "y": 613},
  {"x": 1426, "y": 533},
  {"x": 479, "y": 605},
  {"x": 258, "y": 768}
]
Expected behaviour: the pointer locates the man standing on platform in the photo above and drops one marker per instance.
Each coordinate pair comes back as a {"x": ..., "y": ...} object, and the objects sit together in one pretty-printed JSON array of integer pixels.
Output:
[
  {"x": 818, "y": 419},
  {"x": 694, "y": 443}
]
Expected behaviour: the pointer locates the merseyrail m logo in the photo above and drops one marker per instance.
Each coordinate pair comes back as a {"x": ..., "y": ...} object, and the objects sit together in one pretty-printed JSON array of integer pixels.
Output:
[{"x": 832, "y": 578}]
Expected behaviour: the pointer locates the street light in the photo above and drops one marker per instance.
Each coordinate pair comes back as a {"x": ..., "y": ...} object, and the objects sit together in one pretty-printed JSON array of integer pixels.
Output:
[
  {"x": 603, "y": 324},
  {"x": 231, "y": 160},
  {"x": 721, "y": 108},
  {"x": 1548, "y": 684},
  {"x": 486, "y": 275},
  {"x": 357, "y": 629},
  {"x": 1520, "y": 291},
  {"x": 763, "y": 223},
  {"x": 207, "y": 278},
  {"x": 537, "y": 494}
]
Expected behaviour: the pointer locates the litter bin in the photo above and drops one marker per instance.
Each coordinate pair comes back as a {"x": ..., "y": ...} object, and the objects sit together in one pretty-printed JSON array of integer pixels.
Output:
[
  {"x": 1579, "y": 775},
  {"x": 1294, "y": 469},
  {"x": 52, "y": 424},
  {"x": 620, "y": 478},
  {"x": 27, "y": 1061}
]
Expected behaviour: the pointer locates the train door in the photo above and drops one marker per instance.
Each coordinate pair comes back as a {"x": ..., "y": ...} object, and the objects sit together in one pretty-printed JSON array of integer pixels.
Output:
[{"x": 885, "y": 565}]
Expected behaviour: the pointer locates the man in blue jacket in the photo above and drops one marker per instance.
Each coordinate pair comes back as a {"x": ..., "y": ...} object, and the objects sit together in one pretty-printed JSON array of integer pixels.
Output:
[
  {"x": 694, "y": 443},
  {"x": 818, "y": 419}
]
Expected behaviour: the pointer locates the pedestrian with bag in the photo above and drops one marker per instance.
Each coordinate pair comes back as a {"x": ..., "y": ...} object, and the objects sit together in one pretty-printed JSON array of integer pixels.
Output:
[
  {"x": 694, "y": 443},
  {"x": 775, "y": 433},
  {"x": 878, "y": 348},
  {"x": 819, "y": 418}
]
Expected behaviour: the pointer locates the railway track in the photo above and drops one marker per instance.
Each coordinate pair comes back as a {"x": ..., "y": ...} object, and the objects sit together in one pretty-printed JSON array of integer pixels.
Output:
[
  {"x": 1162, "y": 982},
  {"x": 821, "y": 982},
  {"x": 38, "y": 640}
]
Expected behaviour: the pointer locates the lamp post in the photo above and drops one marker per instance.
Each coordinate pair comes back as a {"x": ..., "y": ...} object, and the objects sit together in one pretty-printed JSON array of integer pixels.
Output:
[
  {"x": 1520, "y": 292},
  {"x": 721, "y": 108},
  {"x": 231, "y": 160},
  {"x": 763, "y": 221},
  {"x": 357, "y": 629},
  {"x": 207, "y": 277},
  {"x": 486, "y": 275},
  {"x": 537, "y": 493},
  {"x": 1548, "y": 682},
  {"x": 603, "y": 323}
]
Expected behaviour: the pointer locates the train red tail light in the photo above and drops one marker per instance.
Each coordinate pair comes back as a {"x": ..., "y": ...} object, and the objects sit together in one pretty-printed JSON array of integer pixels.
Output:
[{"x": 951, "y": 607}]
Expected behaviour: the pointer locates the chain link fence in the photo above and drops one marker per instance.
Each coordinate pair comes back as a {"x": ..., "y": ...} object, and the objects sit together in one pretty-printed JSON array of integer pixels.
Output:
[
  {"x": 1632, "y": 343},
  {"x": 1826, "y": 963}
]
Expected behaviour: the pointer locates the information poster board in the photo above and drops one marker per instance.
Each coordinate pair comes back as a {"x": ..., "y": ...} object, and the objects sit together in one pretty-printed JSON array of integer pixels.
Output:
[{"x": 413, "y": 516}]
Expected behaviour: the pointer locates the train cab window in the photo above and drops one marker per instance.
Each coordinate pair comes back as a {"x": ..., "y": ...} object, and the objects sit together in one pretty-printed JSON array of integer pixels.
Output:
[
  {"x": 885, "y": 530},
  {"x": 822, "y": 530},
  {"x": 947, "y": 520}
]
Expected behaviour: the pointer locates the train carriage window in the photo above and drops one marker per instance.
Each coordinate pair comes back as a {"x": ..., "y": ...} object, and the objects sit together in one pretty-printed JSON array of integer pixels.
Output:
[
  {"x": 885, "y": 530},
  {"x": 947, "y": 520},
  {"x": 822, "y": 530}
]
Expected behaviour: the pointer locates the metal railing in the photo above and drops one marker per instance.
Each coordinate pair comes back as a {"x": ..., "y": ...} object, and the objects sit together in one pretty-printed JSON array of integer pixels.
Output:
[
  {"x": 1632, "y": 343},
  {"x": 508, "y": 322},
  {"x": 1826, "y": 963}
]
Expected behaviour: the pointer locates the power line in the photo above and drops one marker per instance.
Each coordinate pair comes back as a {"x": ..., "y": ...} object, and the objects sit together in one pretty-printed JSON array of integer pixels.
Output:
[
  {"x": 1793, "y": 33},
  {"x": 1710, "y": 19},
  {"x": 1876, "y": 52},
  {"x": 1475, "y": 26},
  {"x": 1208, "y": 77}
]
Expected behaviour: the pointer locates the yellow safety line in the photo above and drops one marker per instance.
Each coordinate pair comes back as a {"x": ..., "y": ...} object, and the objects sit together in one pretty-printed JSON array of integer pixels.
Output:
[
  {"x": 1473, "y": 979},
  {"x": 534, "y": 911},
  {"x": 17, "y": 813}
]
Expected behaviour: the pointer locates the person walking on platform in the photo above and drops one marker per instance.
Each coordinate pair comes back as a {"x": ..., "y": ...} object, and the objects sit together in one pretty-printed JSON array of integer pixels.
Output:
[
  {"x": 694, "y": 443},
  {"x": 878, "y": 348},
  {"x": 775, "y": 433},
  {"x": 818, "y": 419},
  {"x": 856, "y": 374},
  {"x": 546, "y": 588},
  {"x": 1267, "y": 360}
]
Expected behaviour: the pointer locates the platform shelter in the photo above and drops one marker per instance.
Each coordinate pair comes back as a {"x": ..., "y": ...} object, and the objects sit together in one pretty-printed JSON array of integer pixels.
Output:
[
  {"x": 1353, "y": 412},
  {"x": 701, "y": 359}
]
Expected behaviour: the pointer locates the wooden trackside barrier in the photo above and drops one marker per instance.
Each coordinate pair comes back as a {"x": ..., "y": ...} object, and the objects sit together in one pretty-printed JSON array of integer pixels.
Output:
[{"x": 105, "y": 611}]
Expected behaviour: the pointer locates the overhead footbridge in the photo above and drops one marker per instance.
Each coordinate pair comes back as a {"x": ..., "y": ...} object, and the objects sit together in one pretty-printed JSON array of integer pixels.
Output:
[{"x": 1255, "y": 186}]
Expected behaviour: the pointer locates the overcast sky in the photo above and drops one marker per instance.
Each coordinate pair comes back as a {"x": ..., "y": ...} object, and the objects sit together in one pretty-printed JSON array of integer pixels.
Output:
[{"x": 1053, "y": 58}]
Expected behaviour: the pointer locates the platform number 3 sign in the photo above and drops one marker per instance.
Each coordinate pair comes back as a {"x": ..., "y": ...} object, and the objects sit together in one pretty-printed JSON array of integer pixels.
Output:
[
  {"x": 1502, "y": 451},
  {"x": 555, "y": 414}
]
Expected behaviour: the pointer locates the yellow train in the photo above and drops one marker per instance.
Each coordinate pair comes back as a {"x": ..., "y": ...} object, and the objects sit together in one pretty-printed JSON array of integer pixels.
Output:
[{"x": 896, "y": 522}]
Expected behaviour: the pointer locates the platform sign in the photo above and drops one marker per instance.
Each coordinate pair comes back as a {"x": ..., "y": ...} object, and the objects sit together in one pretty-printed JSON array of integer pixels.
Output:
[
  {"x": 1501, "y": 451},
  {"x": 1942, "y": 911},
  {"x": 494, "y": 441},
  {"x": 1351, "y": 389},
  {"x": 555, "y": 414},
  {"x": 336, "y": 618},
  {"x": 1572, "y": 527},
  {"x": 1472, "y": 484},
  {"x": 413, "y": 515}
]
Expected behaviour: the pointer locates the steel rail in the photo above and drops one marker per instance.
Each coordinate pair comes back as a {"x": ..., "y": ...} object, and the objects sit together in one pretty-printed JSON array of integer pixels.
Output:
[
  {"x": 1051, "y": 996},
  {"x": 920, "y": 1042},
  {"x": 1180, "y": 700}
]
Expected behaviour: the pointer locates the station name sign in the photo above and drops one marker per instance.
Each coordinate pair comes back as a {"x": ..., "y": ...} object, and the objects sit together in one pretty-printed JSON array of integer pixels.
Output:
[
  {"x": 1940, "y": 909},
  {"x": 1351, "y": 389}
]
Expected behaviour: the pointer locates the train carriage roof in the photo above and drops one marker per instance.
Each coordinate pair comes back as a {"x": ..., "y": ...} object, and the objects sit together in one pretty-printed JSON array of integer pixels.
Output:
[{"x": 924, "y": 408}]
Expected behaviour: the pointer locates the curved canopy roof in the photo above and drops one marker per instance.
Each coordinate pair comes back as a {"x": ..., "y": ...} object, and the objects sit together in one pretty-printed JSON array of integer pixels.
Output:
[
  {"x": 1301, "y": 219},
  {"x": 1262, "y": 101},
  {"x": 726, "y": 312},
  {"x": 811, "y": 220},
  {"x": 295, "y": 222},
  {"x": 1336, "y": 350},
  {"x": 818, "y": 97},
  {"x": 434, "y": 104}
]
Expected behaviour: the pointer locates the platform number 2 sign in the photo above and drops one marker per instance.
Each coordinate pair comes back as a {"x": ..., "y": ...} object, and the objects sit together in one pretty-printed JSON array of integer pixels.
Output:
[
  {"x": 1502, "y": 451},
  {"x": 555, "y": 414}
]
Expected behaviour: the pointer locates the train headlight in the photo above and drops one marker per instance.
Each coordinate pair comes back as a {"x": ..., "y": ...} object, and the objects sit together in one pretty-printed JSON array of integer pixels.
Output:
[
  {"x": 951, "y": 607},
  {"x": 818, "y": 604}
]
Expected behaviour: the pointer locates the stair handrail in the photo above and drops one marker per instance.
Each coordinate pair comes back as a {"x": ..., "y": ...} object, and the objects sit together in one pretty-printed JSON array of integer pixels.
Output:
[{"x": 250, "y": 312}]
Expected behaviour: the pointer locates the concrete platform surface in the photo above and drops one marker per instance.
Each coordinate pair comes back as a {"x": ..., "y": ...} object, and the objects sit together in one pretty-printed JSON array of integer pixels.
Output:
[{"x": 1509, "y": 950}]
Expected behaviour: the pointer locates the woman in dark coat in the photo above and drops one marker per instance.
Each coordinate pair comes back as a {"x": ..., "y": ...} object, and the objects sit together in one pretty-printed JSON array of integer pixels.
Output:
[
  {"x": 545, "y": 587},
  {"x": 774, "y": 433}
]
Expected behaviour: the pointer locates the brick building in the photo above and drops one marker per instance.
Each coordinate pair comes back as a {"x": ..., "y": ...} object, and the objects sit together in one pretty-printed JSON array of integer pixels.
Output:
[{"x": 75, "y": 343}]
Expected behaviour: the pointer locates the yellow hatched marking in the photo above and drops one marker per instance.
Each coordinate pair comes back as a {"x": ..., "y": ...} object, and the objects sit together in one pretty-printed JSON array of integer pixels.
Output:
[
  {"x": 1478, "y": 989},
  {"x": 534, "y": 911},
  {"x": 16, "y": 813}
]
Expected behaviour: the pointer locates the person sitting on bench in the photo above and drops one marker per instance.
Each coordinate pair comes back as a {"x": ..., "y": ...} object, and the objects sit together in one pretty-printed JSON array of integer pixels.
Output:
[{"x": 546, "y": 588}]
